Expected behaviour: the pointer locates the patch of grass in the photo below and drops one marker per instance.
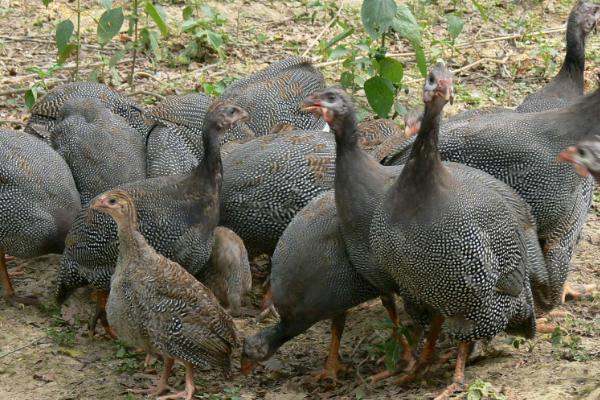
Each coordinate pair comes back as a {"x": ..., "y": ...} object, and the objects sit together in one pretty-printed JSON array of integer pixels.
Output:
[
  {"x": 59, "y": 330},
  {"x": 480, "y": 389},
  {"x": 568, "y": 347}
]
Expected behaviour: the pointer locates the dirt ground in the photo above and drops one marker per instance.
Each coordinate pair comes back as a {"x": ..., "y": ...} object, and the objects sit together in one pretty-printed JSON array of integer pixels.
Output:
[{"x": 46, "y": 353}]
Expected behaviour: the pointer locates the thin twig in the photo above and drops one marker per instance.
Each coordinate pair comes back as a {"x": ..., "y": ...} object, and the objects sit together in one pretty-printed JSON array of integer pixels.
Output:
[
  {"x": 493, "y": 82},
  {"x": 460, "y": 45},
  {"x": 329, "y": 25},
  {"x": 135, "y": 40},
  {"x": 22, "y": 347}
]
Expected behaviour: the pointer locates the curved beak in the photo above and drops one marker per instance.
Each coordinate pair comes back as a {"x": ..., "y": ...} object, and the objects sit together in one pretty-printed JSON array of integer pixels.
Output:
[{"x": 568, "y": 155}]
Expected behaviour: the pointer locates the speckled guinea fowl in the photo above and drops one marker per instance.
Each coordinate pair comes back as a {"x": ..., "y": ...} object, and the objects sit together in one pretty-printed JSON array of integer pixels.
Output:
[
  {"x": 585, "y": 157},
  {"x": 38, "y": 201},
  {"x": 101, "y": 149},
  {"x": 567, "y": 85},
  {"x": 312, "y": 279},
  {"x": 175, "y": 138},
  {"x": 521, "y": 150},
  {"x": 159, "y": 307},
  {"x": 177, "y": 215},
  {"x": 465, "y": 248},
  {"x": 271, "y": 96},
  {"x": 47, "y": 109},
  {"x": 227, "y": 273}
]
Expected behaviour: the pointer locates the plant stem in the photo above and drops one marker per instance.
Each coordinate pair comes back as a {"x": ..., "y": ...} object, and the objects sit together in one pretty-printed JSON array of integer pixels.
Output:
[
  {"x": 135, "y": 41},
  {"x": 76, "y": 75}
]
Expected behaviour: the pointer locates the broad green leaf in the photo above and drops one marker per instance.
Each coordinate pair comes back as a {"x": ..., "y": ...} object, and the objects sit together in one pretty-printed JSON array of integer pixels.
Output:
[
  {"x": 214, "y": 39},
  {"x": 158, "y": 16},
  {"x": 109, "y": 25},
  {"x": 46, "y": 2},
  {"x": 406, "y": 25},
  {"x": 190, "y": 24},
  {"x": 347, "y": 80},
  {"x": 400, "y": 109},
  {"x": 377, "y": 16},
  {"x": 455, "y": 26},
  {"x": 391, "y": 69},
  {"x": 64, "y": 31},
  {"x": 208, "y": 11},
  {"x": 93, "y": 76},
  {"x": 421, "y": 60},
  {"x": 106, "y": 4},
  {"x": 380, "y": 94},
  {"x": 66, "y": 52},
  {"x": 187, "y": 13},
  {"x": 338, "y": 52},
  {"x": 31, "y": 97}
]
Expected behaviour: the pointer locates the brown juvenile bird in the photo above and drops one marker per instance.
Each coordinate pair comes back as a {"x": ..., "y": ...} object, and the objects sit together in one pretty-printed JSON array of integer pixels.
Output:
[{"x": 156, "y": 305}]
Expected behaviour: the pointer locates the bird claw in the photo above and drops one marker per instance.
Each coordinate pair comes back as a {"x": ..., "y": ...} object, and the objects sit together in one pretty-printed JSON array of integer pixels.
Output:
[
  {"x": 330, "y": 372},
  {"x": 180, "y": 395},
  {"x": 577, "y": 291},
  {"x": 450, "y": 390}
]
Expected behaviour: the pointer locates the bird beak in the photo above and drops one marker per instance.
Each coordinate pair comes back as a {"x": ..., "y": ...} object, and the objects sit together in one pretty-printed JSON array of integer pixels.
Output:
[
  {"x": 447, "y": 90},
  {"x": 100, "y": 203},
  {"x": 314, "y": 105},
  {"x": 568, "y": 155}
]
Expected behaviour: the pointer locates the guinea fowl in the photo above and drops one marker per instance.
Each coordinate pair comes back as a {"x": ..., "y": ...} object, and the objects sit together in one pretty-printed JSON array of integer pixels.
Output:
[
  {"x": 174, "y": 143},
  {"x": 227, "y": 273},
  {"x": 360, "y": 182},
  {"x": 47, "y": 109},
  {"x": 38, "y": 202},
  {"x": 271, "y": 97},
  {"x": 585, "y": 156},
  {"x": 525, "y": 149},
  {"x": 177, "y": 215},
  {"x": 567, "y": 86},
  {"x": 312, "y": 279},
  {"x": 101, "y": 149},
  {"x": 156, "y": 305},
  {"x": 465, "y": 248}
]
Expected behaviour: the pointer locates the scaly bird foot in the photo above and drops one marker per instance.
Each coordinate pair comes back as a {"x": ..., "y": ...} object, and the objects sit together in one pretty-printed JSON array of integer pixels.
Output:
[
  {"x": 187, "y": 395},
  {"x": 450, "y": 390},
  {"x": 330, "y": 372},
  {"x": 575, "y": 291}
]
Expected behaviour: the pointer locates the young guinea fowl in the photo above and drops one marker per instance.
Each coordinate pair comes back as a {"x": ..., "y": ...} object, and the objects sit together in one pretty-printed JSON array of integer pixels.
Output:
[
  {"x": 465, "y": 248},
  {"x": 227, "y": 273},
  {"x": 567, "y": 86},
  {"x": 177, "y": 215},
  {"x": 525, "y": 149},
  {"x": 272, "y": 95},
  {"x": 312, "y": 279},
  {"x": 585, "y": 157},
  {"x": 38, "y": 202},
  {"x": 174, "y": 143},
  {"x": 159, "y": 307},
  {"x": 47, "y": 109},
  {"x": 101, "y": 149}
]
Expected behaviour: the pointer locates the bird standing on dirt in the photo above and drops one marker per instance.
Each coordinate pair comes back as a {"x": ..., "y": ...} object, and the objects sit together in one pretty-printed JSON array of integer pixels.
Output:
[
  {"x": 38, "y": 202},
  {"x": 156, "y": 305}
]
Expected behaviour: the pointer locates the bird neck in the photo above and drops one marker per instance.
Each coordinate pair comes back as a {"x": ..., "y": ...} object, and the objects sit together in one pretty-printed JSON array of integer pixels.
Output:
[
  {"x": 345, "y": 130},
  {"x": 425, "y": 156},
  {"x": 574, "y": 63},
  {"x": 210, "y": 168},
  {"x": 579, "y": 120},
  {"x": 127, "y": 228}
]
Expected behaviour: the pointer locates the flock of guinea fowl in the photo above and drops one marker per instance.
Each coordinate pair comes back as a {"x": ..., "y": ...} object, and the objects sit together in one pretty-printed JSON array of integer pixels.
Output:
[{"x": 471, "y": 220}]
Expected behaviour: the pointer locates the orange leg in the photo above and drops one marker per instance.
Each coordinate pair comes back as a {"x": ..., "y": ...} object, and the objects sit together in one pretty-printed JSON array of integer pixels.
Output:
[
  {"x": 333, "y": 365},
  {"x": 577, "y": 291},
  {"x": 190, "y": 388},
  {"x": 9, "y": 291},
  {"x": 163, "y": 383},
  {"x": 407, "y": 354},
  {"x": 459, "y": 372},
  {"x": 426, "y": 354},
  {"x": 101, "y": 297}
]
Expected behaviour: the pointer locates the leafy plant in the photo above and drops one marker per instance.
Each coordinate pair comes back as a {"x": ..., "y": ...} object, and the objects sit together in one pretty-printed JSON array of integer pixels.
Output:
[
  {"x": 480, "y": 389},
  {"x": 202, "y": 21},
  {"x": 568, "y": 347}
]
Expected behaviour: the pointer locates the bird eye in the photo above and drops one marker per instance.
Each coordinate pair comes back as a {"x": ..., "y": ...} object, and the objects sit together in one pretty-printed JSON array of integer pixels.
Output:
[
  {"x": 581, "y": 152},
  {"x": 112, "y": 202},
  {"x": 431, "y": 80}
]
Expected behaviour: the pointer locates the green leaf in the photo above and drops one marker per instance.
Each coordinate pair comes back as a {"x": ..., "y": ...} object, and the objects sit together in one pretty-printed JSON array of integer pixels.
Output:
[
  {"x": 109, "y": 25},
  {"x": 421, "y": 60},
  {"x": 391, "y": 69},
  {"x": 380, "y": 94},
  {"x": 455, "y": 26},
  {"x": 107, "y": 4},
  {"x": 66, "y": 52},
  {"x": 31, "y": 97},
  {"x": 214, "y": 39},
  {"x": 339, "y": 37},
  {"x": 406, "y": 25},
  {"x": 347, "y": 80},
  {"x": 46, "y": 2},
  {"x": 158, "y": 16},
  {"x": 400, "y": 109},
  {"x": 377, "y": 16},
  {"x": 64, "y": 31},
  {"x": 338, "y": 52},
  {"x": 93, "y": 76},
  {"x": 187, "y": 13},
  {"x": 115, "y": 58}
]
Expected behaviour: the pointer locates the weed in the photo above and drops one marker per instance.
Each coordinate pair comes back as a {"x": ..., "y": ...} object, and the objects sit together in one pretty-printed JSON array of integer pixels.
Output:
[{"x": 480, "y": 389}]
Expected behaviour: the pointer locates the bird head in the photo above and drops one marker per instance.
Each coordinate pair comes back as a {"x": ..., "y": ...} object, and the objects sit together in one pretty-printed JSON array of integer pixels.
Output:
[
  {"x": 330, "y": 103},
  {"x": 438, "y": 88},
  {"x": 118, "y": 204},
  {"x": 224, "y": 115},
  {"x": 585, "y": 156},
  {"x": 585, "y": 15}
]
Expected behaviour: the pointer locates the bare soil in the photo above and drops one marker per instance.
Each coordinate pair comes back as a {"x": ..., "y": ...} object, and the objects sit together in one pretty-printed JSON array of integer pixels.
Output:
[{"x": 46, "y": 353}]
